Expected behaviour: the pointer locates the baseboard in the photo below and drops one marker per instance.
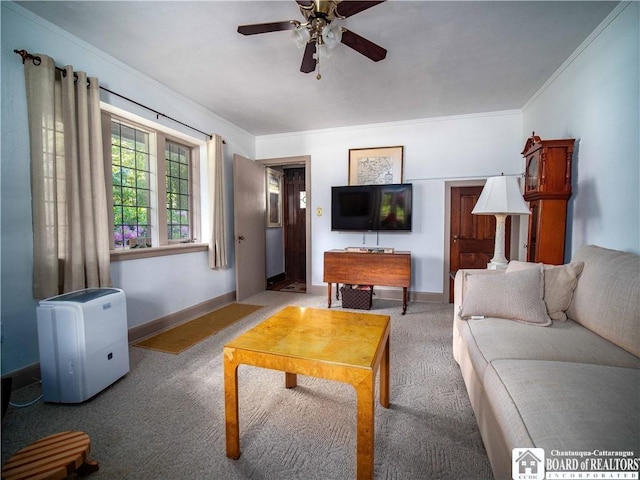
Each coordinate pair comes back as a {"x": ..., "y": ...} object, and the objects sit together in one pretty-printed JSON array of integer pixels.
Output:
[
  {"x": 24, "y": 376},
  {"x": 164, "y": 323}
]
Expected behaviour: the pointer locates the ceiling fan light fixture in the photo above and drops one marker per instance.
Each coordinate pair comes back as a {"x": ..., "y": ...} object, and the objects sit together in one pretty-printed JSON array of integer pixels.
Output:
[
  {"x": 321, "y": 31},
  {"x": 332, "y": 35},
  {"x": 301, "y": 36}
]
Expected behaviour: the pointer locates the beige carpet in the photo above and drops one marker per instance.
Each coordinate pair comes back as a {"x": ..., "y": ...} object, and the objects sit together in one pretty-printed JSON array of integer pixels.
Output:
[
  {"x": 186, "y": 335},
  {"x": 165, "y": 419}
]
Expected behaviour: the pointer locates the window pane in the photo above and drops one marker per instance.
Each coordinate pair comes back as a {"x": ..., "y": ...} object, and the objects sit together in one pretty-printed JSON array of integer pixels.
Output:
[
  {"x": 128, "y": 177},
  {"x": 128, "y": 158},
  {"x": 142, "y": 161},
  {"x": 142, "y": 141},
  {"x": 143, "y": 180},
  {"x": 127, "y": 137},
  {"x": 142, "y": 197},
  {"x": 116, "y": 175}
]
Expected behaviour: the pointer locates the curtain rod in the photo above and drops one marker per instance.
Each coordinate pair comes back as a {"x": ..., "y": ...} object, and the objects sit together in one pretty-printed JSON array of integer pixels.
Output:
[{"x": 37, "y": 60}]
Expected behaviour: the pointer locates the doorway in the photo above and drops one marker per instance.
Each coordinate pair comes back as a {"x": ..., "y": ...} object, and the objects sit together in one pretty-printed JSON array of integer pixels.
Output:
[
  {"x": 295, "y": 236},
  {"x": 294, "y": 228},
  {"x": 471, "y": 237}
]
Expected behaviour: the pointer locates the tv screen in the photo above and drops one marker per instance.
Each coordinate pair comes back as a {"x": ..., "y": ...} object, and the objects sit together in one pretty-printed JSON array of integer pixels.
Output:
[{"x": 371, "y": 207}]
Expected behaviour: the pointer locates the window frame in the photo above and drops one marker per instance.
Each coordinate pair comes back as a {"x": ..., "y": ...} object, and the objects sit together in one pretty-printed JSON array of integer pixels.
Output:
[{"x": 159, "y": 136}]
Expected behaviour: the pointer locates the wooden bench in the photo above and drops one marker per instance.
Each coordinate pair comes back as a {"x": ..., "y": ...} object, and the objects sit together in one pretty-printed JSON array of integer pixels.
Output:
[{"x": 52, "y": 458}]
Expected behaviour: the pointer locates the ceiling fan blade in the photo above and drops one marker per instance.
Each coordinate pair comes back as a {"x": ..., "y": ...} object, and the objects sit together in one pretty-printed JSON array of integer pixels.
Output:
[
  {"x": 304, "y": 3},
  {"x": 363, "y": 46},
  {"x": 308, "y": 60},
  {"x": 347, "y": 8},
  {"x": 266, "y": 27}
]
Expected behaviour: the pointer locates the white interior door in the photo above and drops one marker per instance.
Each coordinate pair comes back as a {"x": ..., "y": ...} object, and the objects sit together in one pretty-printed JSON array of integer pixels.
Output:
[{"x": 249, "y": 215}]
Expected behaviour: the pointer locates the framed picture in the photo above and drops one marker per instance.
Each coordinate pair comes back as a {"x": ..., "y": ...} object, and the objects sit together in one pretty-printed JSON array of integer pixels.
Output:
[
  {"x": 375, "y": 166},
  {"x": 274, "y": 198}
]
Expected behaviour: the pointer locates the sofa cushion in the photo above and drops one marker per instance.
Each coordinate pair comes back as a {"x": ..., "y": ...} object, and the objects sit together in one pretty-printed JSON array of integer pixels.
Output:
[
  {"x": 607, "y": 297},
  {"x": 516, "y": 296},
  {"x": 559, "y": 283},
  {"x": 492, "y": 339},
  {"x": 565, "y": 406}
]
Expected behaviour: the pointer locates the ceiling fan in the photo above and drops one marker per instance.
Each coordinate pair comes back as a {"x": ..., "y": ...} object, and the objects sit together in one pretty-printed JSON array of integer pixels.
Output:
[{"x": 320, "y": 33}]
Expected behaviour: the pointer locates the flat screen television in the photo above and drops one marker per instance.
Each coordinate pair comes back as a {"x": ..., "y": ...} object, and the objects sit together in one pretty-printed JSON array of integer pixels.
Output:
[{"x": 371, "y": 208}]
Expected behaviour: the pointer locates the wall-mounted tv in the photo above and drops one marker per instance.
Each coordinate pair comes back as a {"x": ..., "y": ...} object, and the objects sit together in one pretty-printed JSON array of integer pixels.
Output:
[{"x": 372, "y": 208}]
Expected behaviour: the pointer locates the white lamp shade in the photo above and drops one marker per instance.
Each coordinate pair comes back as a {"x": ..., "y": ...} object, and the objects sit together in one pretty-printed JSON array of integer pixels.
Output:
[
  {"x": 501, "y": 195},
  {"x": 332, "y": 35},
  {"x": 301, "y": 36}
]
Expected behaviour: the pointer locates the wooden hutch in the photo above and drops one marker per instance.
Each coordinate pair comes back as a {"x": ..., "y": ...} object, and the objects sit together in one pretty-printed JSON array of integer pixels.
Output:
[{"x": 547, "y": 188}]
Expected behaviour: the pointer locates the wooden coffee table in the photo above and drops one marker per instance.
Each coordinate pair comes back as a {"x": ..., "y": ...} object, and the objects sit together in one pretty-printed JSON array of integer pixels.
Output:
[{"x": 335, "y": 345}]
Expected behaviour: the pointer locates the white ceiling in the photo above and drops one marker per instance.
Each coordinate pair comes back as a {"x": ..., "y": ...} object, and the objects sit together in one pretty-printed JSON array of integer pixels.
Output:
[{"x": 444, "y": 58}]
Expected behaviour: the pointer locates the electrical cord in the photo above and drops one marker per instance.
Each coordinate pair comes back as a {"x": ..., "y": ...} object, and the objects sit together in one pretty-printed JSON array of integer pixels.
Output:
[{"x": 28, "y": 404}]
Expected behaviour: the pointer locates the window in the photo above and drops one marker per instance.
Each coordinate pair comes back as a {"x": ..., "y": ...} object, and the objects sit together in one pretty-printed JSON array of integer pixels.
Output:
[
  {"x": 177, "y": 177},
  {"x": 130, "y": 174},
  {"x": 155, "y": 197}
]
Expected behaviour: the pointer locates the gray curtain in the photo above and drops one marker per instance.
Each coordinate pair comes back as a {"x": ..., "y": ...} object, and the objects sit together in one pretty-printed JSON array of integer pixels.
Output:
[
  {"x": 68, "y": 190},
  {"x": 217, "y": 246}
]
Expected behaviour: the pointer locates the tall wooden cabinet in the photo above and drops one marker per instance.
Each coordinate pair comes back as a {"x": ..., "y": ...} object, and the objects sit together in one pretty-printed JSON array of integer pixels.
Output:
[{"x": 547, "y": 189}]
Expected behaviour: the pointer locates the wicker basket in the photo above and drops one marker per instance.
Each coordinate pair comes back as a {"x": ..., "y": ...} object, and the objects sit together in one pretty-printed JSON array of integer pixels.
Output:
[{"x": 357, "y": 296}]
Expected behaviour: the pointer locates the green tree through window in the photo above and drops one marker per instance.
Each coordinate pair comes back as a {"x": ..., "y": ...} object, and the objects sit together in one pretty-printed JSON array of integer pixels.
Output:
[
  {"x": 177, "y": 180},
  {"x": 131, "y": 184}
]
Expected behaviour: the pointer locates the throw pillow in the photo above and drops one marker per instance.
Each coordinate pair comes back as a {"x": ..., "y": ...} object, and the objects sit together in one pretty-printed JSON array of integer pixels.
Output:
[
  {"x": 514, "y": 295},
  {"x": 559, "y": 283}
]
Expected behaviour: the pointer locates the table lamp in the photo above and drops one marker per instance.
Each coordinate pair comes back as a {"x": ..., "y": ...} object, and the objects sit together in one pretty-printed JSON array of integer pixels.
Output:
[{"x": 500, "y": 196}]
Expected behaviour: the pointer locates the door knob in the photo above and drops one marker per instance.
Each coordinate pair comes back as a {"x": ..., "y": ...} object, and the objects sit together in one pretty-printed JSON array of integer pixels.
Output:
[{"x": 455, "y": 238}]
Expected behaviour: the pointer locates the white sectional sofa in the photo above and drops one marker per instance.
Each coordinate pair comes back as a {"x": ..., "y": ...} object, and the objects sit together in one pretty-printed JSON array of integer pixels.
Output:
[{"x": 563, "y": 385}]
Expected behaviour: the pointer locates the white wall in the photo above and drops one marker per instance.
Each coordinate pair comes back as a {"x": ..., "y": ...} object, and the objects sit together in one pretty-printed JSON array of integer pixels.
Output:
[
  {"x": 155, "y": 287},
  {"x": 595, "y": 99},
  {"x": 435, "y": 150},
  {"x": 275, "y": 251}
]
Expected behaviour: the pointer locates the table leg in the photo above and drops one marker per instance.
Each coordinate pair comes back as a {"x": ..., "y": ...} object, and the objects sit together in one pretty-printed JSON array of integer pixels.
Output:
[
  {"x": 87, "y": 468},
  {"x": 404, "y": 300},
  {"x": 384, "y": 376},
  {"x": 365, "y": 427},
  {"x": 290, "y": 380},
  {"x": 231, "y": 405},
  {"x": 328, "y": 295}
]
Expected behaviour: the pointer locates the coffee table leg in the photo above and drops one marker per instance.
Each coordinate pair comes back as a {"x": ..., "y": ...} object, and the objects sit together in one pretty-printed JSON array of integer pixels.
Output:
[
  {"x": 384, "y": 376},
  {"x": 365, "y": 435},
  {"x": 231, "y": 405},
  {"x": 290, "y": 380}
]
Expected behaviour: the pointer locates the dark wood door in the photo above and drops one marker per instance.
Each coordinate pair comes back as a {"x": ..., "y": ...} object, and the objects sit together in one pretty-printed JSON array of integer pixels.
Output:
[
  {"x": 472, "y": 236},
  {"x": 295, "y": 224}
]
